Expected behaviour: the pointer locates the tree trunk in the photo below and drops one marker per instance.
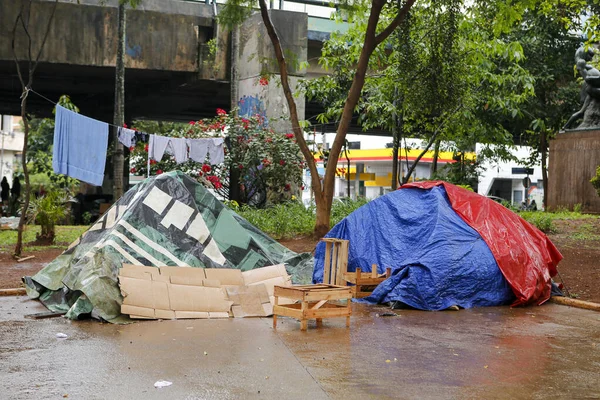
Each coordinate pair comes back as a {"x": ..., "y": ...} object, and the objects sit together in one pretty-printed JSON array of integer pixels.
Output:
[
  {"x": 323, "y": 217},
  {"x": 119, "y": 113},
  {"x": 23, "y": 18},
  {"x": 544, "y": 151},
  {"x": 324, "y": 193},
  {"x": 436, "y": 154},
  {"x": 395, "y": 142},
  {"x": 19, "y": 245}
]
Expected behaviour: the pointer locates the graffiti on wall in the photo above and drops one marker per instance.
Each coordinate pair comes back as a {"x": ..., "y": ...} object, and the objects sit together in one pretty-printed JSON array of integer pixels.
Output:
[{"x": 251, "y": 105}]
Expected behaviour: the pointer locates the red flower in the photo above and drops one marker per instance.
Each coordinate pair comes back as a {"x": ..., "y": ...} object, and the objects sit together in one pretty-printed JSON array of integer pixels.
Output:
[
  {"x": 159, "y": 172},
  {"x": 289, "y": 135},
  {"x": 152, "y": 162},
  {"x": 269, "y": 140},
  {"x": 287, "y": 187},
  {"x": 302, "y": 187},
  {"x": 217, "y": 185},
  {"x": 263, "y": 81},
  {"x": 220, "y": 111},
  {"x": 124, "y": 125},
  {"x": 132, "y": 170},
  {"x": 281, "y": 162},
  {"x": 192, "y": 123},
  {"x": 206, "y": 168},
  {"x": 131, "y": 148},
  {"x": 146, "y": 148},
  {"x": 240, "y": 166}
]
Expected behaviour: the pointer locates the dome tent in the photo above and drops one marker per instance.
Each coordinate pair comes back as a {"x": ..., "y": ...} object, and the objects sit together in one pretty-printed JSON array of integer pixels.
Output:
[
  {"x": 166, "y": 220},
  {"x": 447, "y": 246}
]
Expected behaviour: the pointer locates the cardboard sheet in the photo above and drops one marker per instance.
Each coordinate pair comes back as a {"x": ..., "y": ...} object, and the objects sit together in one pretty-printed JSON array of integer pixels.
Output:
[{"x": 180, "y": 292}]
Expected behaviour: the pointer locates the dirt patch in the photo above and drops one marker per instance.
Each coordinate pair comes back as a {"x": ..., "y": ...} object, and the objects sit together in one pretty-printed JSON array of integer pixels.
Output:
[
  {"x": 577, "y": 240},
  {"x": 11, "y": 271},
  {"x": 579, "y": 243},
  {"x": 300, "y": 244}
]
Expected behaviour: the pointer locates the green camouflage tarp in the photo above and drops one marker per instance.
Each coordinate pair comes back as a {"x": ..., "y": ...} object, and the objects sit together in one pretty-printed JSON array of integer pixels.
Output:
[{"x": 168, "y": 220}]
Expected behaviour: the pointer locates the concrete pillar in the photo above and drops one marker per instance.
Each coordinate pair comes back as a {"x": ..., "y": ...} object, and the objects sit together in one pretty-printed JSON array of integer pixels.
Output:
[
  {"x": 359, "y": 187},
  {"x": 255, "y": 59}
]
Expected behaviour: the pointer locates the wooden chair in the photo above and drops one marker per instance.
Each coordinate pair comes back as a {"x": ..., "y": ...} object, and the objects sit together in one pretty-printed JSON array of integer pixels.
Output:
[
  {"x": 336, "y": 261},
  {"x": 364, "y": 284}
]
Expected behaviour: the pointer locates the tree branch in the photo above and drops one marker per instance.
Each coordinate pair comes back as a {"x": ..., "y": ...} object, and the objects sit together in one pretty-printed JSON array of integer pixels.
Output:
[
  {"x": 395, "y": 23},
  {"x": 37, "y": 59},
  {"x": 298, "y": 133},
  {"x": 431, "y": 141},
  {"x": 353, "y": 96}
]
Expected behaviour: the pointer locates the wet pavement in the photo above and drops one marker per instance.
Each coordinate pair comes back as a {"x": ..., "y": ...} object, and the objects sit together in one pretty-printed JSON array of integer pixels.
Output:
[{"x": 551, "y": 351}]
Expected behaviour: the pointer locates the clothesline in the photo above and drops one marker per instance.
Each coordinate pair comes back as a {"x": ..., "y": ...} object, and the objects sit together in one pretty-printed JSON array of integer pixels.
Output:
[
  {"x": 56, "y": 104},
  {"x": 116, "y": 126},
  {"x": 73, "y": 132}
]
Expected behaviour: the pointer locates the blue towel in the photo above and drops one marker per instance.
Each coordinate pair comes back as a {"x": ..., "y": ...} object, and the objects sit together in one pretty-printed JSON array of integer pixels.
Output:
[{"x": 80, "y": 145}]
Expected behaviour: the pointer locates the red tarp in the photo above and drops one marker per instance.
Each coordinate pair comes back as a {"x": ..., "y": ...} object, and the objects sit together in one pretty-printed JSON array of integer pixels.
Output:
[{"x": 525, "y": 255}]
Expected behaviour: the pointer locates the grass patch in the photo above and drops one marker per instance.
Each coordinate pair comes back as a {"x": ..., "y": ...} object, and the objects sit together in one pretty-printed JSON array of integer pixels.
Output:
[
  {"x": 585, "y": 232},
  {"x": 65, "y": 234},
  {"x": 292, "y": 219},
  {"x": 541, "y": 220},
  {"x": 544, "y": 221}
]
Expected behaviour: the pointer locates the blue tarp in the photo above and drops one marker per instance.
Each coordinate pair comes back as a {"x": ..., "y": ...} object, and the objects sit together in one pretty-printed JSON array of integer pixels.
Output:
[{"x": 437, "y": 260}]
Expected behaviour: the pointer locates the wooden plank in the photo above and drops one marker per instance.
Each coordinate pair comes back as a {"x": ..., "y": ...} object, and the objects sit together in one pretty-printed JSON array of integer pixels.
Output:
[
  {"x": 288, "y": 292},
  {"x": 328, "y": 295},
  {"x": 13, "y": 292},
  {"x": 275, "y": 304},
  {"x": 334, "y": 264},
  {"x": 25, "y": 258},
  {"x": 47, "y": 314},
  {"x": 588, "y": 305},
  {"x": 287, "y": 311},
  {"x": 318, "y": 304},
  {"x": 327, "y": 313},
  {"x": 374, "y": 271},
  {"x": 327, "y": 265},
  {"x": 303, "y": 321},
  {"x": 342, "y": 262}
]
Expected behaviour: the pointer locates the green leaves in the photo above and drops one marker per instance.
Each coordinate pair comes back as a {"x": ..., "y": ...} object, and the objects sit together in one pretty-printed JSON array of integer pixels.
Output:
[{"x": 269, "y": 164}]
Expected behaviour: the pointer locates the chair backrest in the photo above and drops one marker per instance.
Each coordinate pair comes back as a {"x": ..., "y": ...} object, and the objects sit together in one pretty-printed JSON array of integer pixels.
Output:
[{"x": 336, "y": 261}]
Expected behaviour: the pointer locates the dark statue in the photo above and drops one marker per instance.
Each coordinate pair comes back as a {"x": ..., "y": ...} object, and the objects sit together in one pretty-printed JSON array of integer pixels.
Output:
[{"x": 590, "y": 91}]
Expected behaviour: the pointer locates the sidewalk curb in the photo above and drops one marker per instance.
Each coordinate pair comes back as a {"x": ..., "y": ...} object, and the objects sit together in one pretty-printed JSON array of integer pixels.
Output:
[{"x": 12, "y": 292}]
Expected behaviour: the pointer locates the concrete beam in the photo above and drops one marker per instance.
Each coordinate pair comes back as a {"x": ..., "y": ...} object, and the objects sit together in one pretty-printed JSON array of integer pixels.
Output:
[{"x": 161, "y": 35}]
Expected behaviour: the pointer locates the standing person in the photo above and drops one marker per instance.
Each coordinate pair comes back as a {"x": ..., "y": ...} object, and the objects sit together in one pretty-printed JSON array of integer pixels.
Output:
[
  {"x": 4, "y": 194},
  {"x": 15, "y": 192}
]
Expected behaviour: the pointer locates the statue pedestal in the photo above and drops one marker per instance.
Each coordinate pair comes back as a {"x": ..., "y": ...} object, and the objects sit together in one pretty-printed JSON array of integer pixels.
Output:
[{"x": 574, "y": 157}]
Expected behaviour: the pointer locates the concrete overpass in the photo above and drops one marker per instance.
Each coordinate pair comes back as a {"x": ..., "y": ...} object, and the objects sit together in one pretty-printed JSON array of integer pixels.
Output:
[
  {"x": 171, "y": 74},
  {"x": 166, "y": 76}
]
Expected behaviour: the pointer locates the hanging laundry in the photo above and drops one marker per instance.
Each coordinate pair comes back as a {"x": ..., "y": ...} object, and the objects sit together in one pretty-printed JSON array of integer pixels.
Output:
[
  {"x": 157, "y": 146},
  {"x": 215, "y": 151},
  {"x": 178, "y": 148},
  {"x": 141, "y": 137},
  {"x": 198, "y": 149},
  {"x": 80, "y": 145},
  {"x": 126, "y": 136}
]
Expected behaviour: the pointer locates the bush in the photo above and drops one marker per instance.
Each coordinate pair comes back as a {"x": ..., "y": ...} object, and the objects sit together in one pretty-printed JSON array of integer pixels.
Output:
[
  {"x": 541, "y": 220},
  {"x": 291, "y": 219},
  {"x": 596, "y": 180},
  {"x": 47, "y": 211},
  {"x": 285, "y": 220},
  {"x": 341, "y": 208},
  {"x": 268, "y": 163}
]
